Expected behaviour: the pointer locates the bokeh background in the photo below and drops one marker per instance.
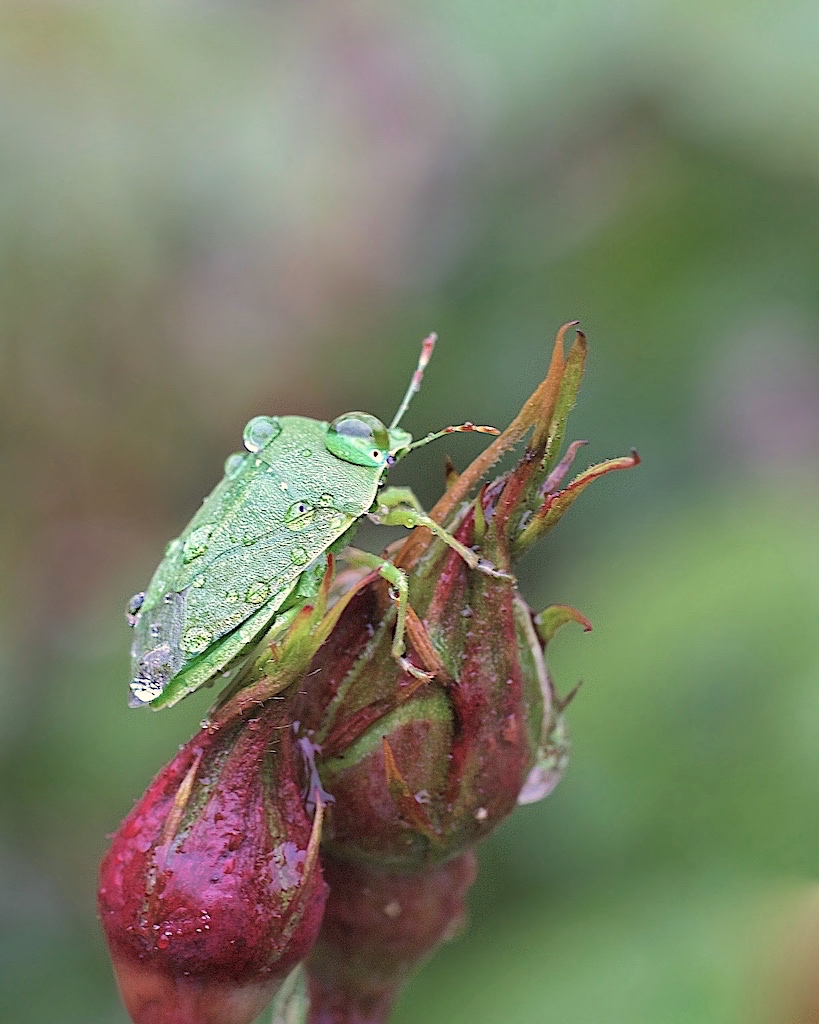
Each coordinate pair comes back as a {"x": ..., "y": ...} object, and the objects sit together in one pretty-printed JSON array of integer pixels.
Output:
[{"x": 211, "y": 210}]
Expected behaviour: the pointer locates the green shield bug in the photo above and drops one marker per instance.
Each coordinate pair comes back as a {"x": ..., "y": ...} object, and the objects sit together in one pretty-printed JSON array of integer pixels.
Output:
[{"x": 256, "y": 550}]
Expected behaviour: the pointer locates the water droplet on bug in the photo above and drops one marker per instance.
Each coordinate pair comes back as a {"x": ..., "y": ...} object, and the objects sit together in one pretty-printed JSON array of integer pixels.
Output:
[
  {"x": 299, "y": 516},
  {"x": 172, "y": 547},
  {"x": 299, "y": 556},
  {"x": 231, "y": 596},
  {"x": 132, "y": 609},
  {"x": 257, "y": 592},
  {"x": 196, "y": 543},
  {"x": 260, "y": 431},
  {"x": 233, "y": 463},
  {"x": 307, "y": 452},
  {"x": 248, "y": 540},
  {"x": 358, "y": 438},
  {"x": 198, "y": 582},
  {"x": 155, "y": 631},
  {"x": 194, "y": 641}
]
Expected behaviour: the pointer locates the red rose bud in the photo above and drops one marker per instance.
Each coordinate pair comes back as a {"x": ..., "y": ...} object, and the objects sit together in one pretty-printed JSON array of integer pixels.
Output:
[
  {"x": 419, "y": 777},
  {"x": 377, "y": 928},
  {"x": 211, "y": 890},
  {"x": 420, "y": 771}
]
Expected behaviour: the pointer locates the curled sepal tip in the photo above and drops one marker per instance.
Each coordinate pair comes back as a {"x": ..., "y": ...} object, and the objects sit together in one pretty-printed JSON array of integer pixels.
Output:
[
  {"x": 557, "y": 503},
  {"x": 549, "y": 621}
]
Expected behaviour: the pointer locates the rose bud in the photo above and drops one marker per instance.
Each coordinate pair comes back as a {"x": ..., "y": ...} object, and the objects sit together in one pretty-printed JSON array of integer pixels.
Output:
[
  {"x": 420, "y": 771},
  {"x": 212, "y": 890},
  {"x": 378, "y": 927},
  {"x": 419, "y": 777}
]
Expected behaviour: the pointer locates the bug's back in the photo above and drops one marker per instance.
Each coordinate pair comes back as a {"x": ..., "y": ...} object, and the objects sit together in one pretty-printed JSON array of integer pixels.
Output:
[{"x": 276, "y": 510}]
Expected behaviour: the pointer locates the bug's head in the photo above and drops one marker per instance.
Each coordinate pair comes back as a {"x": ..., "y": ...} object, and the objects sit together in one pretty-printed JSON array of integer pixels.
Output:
[{"x": 363, "y": 439}]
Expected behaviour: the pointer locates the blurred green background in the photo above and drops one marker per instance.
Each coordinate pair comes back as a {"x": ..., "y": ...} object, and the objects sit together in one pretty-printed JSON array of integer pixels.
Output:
[{"x": 213, "y": 210}]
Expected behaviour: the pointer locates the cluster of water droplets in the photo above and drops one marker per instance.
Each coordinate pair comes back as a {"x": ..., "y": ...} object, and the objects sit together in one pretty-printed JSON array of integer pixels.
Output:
[{"x": 180, "y": 925}]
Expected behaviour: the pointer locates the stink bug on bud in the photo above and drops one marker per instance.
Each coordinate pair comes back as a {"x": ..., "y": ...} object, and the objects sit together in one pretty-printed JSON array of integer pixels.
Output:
[{"x": 256, "y": 551}]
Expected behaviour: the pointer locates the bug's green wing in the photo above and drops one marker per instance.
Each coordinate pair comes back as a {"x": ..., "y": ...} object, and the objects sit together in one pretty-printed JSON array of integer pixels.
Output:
[
  {"x": 242, "y": 557},
  {"x": 220, "y": 656}
]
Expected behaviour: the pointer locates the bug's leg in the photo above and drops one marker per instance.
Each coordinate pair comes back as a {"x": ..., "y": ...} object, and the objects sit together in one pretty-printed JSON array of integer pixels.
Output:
[
  {"x": 399, "y": 593},
  {"x": 398, "y": 506}
]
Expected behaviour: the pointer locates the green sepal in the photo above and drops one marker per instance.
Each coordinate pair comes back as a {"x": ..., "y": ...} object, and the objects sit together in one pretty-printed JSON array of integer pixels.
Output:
[
  {"x": 480, "y": 517},
  {"x": 566, "y": 398},
  {"x": 292, "y": 1002},
  {"x": 433, "y": 706},
  {"x": 285, "y": 652}
]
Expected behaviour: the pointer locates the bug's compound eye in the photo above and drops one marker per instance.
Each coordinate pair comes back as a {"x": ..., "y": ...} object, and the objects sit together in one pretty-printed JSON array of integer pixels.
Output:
[
  {"x": 260, "y": 431},
  {"x": 359, "y": 438}
]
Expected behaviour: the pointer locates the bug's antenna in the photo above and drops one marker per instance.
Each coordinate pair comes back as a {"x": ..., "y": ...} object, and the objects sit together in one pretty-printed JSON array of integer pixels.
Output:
[
  {"x": 462, "y": 428},
  {"x": 427, "y": 345}
]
